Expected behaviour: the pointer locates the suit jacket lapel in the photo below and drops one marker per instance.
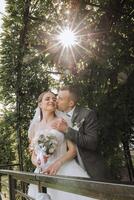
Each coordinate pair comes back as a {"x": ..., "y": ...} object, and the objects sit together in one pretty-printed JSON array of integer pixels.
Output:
[{"x": 75, "y": 114}]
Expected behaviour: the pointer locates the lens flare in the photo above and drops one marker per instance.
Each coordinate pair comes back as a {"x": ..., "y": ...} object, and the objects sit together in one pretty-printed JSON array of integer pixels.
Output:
[{"x": 67, "y": 38}]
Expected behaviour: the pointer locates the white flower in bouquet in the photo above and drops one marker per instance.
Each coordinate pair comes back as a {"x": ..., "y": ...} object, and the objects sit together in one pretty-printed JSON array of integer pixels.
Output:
[{"x": 47, "y": 144}]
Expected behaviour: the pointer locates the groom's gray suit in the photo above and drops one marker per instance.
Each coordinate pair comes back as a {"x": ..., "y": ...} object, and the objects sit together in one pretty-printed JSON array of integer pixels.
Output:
[{"x": 86, "y": 138}]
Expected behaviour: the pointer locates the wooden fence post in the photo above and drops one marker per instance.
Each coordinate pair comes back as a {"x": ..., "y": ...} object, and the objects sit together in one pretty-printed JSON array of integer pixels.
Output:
[
  {"x": 12, "y": 186},
  {"x": 41, "y": 188},
  {"x": 0, "y": 183}
]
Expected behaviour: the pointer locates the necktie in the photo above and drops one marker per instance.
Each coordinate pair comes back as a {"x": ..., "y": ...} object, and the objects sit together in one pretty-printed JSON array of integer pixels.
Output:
[{"x": 68, "y": 115}]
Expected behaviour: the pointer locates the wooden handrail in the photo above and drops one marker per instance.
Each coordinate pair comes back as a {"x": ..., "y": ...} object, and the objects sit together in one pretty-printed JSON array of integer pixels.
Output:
[
  {"x": 77, "y": 185},
  {"x": 9, "y": 165}
]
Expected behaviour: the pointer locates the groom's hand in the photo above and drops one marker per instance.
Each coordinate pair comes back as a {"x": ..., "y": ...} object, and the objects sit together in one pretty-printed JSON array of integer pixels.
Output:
[{"x": 61, "y": 125}]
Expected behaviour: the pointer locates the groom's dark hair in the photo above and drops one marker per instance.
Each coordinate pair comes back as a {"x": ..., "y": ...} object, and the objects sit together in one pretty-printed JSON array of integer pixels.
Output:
[{"x": 73, "y": 90}]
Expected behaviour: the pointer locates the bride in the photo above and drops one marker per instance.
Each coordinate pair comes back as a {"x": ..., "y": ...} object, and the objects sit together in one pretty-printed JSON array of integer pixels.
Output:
[{"x": 60, "y": 160}]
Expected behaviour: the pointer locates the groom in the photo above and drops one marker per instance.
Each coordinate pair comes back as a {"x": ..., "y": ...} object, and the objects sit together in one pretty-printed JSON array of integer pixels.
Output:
[{"x": 83, "y": 132}]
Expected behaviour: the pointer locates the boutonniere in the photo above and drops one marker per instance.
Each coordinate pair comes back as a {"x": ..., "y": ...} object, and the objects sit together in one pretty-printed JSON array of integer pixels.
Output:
[{"x": 77, "y": 125}]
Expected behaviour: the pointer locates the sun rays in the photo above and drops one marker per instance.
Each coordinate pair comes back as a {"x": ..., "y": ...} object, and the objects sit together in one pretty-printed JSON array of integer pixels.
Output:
[{"x": 70, "y": 42}]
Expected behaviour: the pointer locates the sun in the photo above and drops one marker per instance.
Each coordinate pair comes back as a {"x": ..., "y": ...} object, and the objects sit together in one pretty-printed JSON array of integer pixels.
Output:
[
  {"x": 67, "y": 41},
  {"x": 67, "y": 37}
]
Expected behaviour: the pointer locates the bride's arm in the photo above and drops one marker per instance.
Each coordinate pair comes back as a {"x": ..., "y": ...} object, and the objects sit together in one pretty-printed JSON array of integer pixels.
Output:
[
  {"x": 34, "y": 158},
  {"x": 31, "y": 135},
  {"x": 69, "y": 155}
]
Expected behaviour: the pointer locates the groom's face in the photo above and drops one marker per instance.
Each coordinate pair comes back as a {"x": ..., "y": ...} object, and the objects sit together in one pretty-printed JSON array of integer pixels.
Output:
[{"x": 64, "y": 101}]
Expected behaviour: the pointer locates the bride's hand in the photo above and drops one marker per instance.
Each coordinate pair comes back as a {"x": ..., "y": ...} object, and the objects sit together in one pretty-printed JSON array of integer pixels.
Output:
[{"x": 53, "y": 169}]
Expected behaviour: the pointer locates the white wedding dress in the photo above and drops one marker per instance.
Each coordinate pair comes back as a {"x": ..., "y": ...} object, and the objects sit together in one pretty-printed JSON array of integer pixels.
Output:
[{"x": 70, "y": 168}]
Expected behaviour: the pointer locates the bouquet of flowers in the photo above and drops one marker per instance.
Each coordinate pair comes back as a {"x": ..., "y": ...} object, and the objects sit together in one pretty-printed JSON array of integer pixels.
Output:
[{"x": 44, "y": 147}]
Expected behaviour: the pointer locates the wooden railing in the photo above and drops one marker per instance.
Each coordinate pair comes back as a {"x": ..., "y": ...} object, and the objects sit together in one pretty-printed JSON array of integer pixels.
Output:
[
  {"x": 9, "y": 167},
  {"x": 77, "y": 185}
]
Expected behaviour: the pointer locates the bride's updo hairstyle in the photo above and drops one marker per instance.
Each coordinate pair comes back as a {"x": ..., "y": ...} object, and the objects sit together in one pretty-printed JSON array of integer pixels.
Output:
[{"x": 40, "y": 100}]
